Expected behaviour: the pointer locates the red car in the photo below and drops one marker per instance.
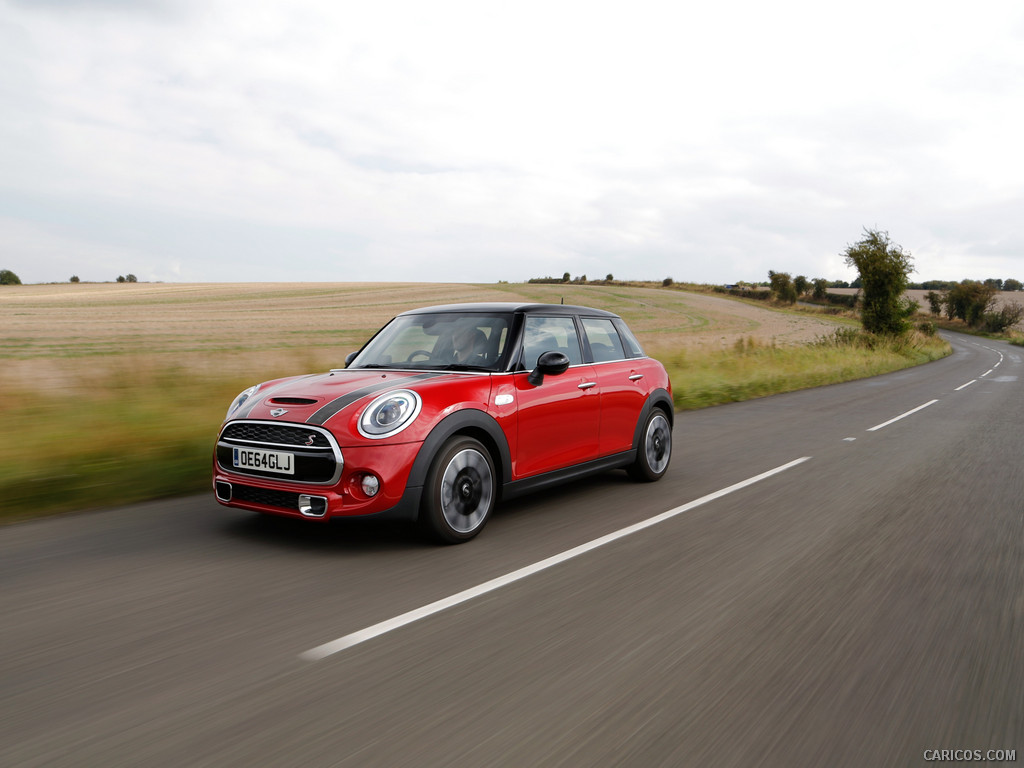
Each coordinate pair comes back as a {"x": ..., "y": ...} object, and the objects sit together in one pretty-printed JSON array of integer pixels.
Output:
[{"x": 444, "y": 411}]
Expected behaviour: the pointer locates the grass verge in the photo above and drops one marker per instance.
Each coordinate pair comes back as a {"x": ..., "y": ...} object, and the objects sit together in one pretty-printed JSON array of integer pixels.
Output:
[
  {"x": 142, "y": 432},
  {"x": 749, "y": 369}
]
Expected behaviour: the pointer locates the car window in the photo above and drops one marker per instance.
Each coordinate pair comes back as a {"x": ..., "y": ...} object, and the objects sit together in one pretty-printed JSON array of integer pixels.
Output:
[
  {"x": 633, "y": 348},
  {"x": 438, "y": 341},
  {"x": 550, "y": 334},
  {"x": 604, "y": 341}
]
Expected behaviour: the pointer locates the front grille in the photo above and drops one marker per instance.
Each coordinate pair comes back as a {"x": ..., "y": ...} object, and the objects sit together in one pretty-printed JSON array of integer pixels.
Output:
[
  {"x": 274, "y": 434},
  {"x": 316, "y": 457},
  {"x": 266, "y": 497}
]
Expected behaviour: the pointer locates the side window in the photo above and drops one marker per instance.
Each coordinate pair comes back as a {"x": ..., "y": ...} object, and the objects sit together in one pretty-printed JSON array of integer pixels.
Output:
[
  {"x": 547, "y": 334},
  {"x": 633, "y": 348},
  {"x": 604, "y": 341}
]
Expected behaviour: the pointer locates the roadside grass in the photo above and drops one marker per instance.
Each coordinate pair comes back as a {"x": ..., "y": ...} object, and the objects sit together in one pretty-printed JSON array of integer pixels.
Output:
[
  {"x": 137, "y": 429},
  {"x": 751, "y": 369}
]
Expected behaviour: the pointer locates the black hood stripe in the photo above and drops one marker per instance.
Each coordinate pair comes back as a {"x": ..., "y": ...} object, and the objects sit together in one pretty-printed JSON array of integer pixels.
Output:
[{"x": 339, "y": 404}]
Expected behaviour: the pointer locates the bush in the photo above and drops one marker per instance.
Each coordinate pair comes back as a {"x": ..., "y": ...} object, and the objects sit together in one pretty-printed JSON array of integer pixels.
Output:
[
  {"x": 970, "y": 300},
  {"x": 1002, "y": 319},
  {"x": 9, "y": 278}
]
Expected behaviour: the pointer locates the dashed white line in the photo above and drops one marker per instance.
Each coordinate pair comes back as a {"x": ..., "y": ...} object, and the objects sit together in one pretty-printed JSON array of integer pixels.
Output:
[
  {"x": 902, "y": 416},
  {"x": 965, "y": 386},
  {"x": 355, "y": 638}
]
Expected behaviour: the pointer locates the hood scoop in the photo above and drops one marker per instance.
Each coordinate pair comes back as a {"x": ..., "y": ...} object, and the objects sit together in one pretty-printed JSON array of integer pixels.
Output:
[{"x": 293, "y": 401}]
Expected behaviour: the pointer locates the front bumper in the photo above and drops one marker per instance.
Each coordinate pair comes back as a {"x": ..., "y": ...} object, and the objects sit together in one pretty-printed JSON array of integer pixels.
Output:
[{"x": 390, "y": 464}]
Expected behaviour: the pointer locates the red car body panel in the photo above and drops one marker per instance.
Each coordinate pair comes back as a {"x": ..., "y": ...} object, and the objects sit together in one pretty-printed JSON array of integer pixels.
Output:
[{"x": 589, "y": 416}]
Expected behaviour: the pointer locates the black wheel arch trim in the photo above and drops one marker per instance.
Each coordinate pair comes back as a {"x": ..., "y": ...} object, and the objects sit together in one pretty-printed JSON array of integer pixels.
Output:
[
  {"x": 659, "y": 398},
  {"x": 468, "y": 421}
]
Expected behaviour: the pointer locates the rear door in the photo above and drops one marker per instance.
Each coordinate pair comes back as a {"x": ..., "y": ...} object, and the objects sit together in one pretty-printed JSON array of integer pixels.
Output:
[{"x": 621, "y": 380}]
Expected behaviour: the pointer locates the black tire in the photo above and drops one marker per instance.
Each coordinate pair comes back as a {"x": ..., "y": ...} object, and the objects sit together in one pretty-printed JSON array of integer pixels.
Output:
[
  {"x": 654, "y": 450},
  {"x": 460, "y": 491}
]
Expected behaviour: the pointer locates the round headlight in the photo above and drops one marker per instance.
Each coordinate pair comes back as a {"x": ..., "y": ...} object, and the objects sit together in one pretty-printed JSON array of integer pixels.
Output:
[
  {"x": 389, "y": 414},
  {"x": 242, "y": 397}
]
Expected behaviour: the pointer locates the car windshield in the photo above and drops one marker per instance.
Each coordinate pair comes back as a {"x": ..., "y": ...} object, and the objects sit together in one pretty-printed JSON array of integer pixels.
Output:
[{"x": 443, "y": 341}]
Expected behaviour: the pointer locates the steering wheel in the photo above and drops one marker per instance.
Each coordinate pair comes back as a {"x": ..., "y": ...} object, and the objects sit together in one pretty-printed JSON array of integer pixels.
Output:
[{"x": 417, "y": 353}]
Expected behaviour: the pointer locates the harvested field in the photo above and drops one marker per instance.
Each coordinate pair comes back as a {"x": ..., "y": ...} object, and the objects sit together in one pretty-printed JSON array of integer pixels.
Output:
[{"x": 67, "y": 336}]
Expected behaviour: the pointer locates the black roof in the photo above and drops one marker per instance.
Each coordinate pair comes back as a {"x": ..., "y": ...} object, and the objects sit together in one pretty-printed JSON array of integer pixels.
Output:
[{"x": 512, "y": 306}]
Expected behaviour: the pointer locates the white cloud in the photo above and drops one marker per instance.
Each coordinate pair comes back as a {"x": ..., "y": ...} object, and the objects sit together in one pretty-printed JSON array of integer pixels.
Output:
[{"x": 460, "y": 140}]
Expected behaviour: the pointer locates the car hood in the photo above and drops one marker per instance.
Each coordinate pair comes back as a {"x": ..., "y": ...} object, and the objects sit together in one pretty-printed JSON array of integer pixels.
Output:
[{"x": 317, "y": 398}]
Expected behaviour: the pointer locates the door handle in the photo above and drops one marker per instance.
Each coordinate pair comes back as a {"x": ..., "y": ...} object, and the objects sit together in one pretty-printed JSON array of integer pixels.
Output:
[
  {"x": 636, "y": 377},
  {"x": 588, "y": 384}
]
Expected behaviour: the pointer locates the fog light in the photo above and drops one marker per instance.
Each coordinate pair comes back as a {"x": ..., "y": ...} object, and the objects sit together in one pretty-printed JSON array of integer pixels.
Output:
[
  {"x": 370, "y": 485},
  {"x": 312, "y": 506}
]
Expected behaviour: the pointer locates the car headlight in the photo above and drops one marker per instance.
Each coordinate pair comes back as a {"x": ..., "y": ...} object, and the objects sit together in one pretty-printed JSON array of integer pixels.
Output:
[
  {"x": 242, "y": 397},
  {"x": 389, "y": 414}
]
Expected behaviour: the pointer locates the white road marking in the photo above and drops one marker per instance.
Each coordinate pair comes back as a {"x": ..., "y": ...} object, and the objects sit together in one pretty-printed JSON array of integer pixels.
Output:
[
  {"x": 902, "y": 416},
  {"x": 965, "y": 386},
  {"x": 355, "y": 638},
  {"x": 986, "y": 373}
]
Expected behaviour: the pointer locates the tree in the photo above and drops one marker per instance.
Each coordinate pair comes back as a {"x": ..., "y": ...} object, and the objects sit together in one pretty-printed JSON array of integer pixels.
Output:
[
  {"x": 800, "y": 284},
  {"x": 884, "y": 275},
  {"x": 9, "y": 278},
  {"x": 120, "y": 278},
  {"x": 782, "y": 288},
  {"x": 131, "y": 278},
  {"x": 820, "y": 288},
  {"x": 565, "y": 277},
  {"x": 935, "y": 301},
  {"x": 74, "y": 279},
  {"x": 970, "y": 300},
  {"x": 1012, "y": 285},
  {"x": 609, "y": 277}
]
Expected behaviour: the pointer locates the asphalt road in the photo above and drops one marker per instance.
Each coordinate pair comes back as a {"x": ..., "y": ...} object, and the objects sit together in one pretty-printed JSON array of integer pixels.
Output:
[{"x": 856, "y": 608}]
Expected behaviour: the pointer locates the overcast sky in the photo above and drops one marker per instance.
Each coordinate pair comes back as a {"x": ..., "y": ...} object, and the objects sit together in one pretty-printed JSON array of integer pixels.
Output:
[{"x": 432, "y": 140}]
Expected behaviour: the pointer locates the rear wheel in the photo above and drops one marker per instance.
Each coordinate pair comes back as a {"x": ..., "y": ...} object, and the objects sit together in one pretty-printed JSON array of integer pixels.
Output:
[
  {"x": 460, "y": 491},
  {"x": 655, "y": 448}
]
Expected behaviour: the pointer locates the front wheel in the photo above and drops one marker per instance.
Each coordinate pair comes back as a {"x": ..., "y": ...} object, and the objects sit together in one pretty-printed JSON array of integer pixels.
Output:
[
  {"x": 655, "y": 448},
  {"x": 460, "y": 491}
]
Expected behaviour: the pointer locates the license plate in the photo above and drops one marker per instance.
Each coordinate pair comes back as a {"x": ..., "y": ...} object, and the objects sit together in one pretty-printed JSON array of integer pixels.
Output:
[{"x": 267, "y": 461}]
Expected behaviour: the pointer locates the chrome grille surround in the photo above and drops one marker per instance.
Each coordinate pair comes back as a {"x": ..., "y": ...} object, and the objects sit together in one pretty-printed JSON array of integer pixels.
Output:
[{"x": 324, "y": 454}]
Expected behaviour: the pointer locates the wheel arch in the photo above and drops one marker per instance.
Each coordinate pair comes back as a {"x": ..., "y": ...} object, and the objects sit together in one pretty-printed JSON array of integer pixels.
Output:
[
  {"x": 471, "y": 423},
  {"x": 659, "y": 398}
]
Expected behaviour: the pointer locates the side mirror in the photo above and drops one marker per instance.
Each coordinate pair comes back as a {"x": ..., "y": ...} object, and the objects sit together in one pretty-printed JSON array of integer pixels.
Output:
[
  {"x": 548, "y": 364},
  {"x": 350, "y": 357}
]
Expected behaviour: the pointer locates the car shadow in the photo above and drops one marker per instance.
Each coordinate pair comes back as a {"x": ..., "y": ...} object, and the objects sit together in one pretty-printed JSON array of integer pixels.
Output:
[
  {"x": 331, "y": 537},
  {"x": 377, "y": 536}
]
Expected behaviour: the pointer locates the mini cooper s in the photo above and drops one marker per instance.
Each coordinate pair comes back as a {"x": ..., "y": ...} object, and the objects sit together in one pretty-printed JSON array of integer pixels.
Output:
[{"x": 445, "y": 411}]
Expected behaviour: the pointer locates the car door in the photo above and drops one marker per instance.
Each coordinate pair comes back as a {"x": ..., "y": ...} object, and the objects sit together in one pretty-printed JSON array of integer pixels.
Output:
[
  {"x": 559, "y": 419},
  {"x": 621, "y": 385}
]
